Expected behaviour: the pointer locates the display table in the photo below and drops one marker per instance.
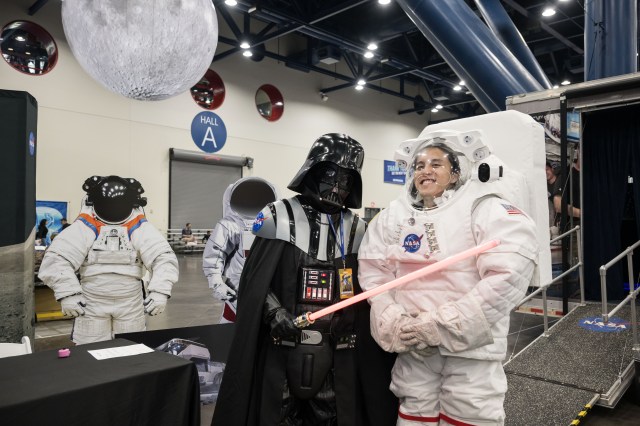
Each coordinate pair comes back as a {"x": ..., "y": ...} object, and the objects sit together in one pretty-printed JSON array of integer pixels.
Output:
[{"x": 148, "y": 389}]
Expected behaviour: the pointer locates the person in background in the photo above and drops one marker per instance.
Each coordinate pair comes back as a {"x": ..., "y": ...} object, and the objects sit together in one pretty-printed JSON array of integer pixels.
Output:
[
  {"x": 111, "y": 245},
  {"x": 65, "y": 224},
  {"x": 450, "y": 327},
  {"x": 554, "y": 195},
  {"x": 41, "y": 233},
  {"x": 187, "y": 234},
  {"x": 331, "y": 373},
  {"x": 205, "y": 237}
]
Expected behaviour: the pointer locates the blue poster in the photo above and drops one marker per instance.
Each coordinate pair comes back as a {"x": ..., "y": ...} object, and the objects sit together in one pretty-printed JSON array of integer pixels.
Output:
[
  {"x": 208, "y": 132},
  {"x": 393, "y": 173},
  {"x": 54, "y": 212},
  {"x": 573, "y": 126}
]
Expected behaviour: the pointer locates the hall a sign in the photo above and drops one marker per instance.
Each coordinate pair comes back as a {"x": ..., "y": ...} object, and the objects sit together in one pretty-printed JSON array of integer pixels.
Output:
[{"x": 208, "y": 132}]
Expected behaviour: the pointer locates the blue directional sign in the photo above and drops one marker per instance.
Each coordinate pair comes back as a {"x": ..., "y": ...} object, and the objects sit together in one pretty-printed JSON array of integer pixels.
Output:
[
  {"x": 393, "y": 173},
  {"x": 208, "y": 132}
]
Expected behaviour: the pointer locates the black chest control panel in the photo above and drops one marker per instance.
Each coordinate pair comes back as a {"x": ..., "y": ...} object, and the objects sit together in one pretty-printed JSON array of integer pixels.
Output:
[{"x": 317, "y": 286}]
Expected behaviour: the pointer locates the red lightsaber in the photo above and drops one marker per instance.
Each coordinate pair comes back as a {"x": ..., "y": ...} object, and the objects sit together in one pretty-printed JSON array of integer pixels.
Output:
[{"x": 310, "y": 317}]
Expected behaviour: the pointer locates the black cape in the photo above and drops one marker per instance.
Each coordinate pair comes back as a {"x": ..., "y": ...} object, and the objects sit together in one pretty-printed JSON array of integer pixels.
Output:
[{"x": 251, "y": 389}]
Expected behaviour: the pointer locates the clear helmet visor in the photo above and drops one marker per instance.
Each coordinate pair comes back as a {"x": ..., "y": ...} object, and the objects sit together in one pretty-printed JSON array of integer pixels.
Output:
[{"x": 436, "y": 172}]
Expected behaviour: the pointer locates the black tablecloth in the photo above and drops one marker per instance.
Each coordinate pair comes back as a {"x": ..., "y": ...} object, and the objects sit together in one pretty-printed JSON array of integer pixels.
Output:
[{"x": 147, "y": 389}]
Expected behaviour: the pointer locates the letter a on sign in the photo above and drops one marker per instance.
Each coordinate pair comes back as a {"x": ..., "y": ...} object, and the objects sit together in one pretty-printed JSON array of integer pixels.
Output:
[
  {"x": 208, "y": 136},
  {"x": 208, "y": 132}
]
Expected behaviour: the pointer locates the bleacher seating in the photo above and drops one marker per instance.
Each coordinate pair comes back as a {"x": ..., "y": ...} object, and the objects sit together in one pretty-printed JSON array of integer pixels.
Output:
[{"x": 174, "y": 237}]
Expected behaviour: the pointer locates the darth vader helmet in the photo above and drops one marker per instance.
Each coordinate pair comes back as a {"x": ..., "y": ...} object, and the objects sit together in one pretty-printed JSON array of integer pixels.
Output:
[
  {"x": 113, "y": 198},
  {"x": 330, "y": 177}
]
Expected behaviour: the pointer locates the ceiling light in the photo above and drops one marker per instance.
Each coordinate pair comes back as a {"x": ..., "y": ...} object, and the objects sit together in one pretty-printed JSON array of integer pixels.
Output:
[
  {"x": 10, "y": 48},
  {"x": 457, "y": 88},
  {"x": 565, "y": 82},
  {"x": 19, "y": 38},
  {"x": 368, "y": 54},
  {"x": 384, "y": 1},
  {"x": 555, "y": 86},
  {"x": 438, "y": 106},
  {"x": 384, "y": 60},
  {"x": 461, "y": 83},
  {"x": 245, "y": 45},
  {"x": 434, "y": 110},
  {"x": 230, "y": 2},
  {"x": 247, "y": 53},
  {"x": 362, "y": 82},
  {"x": 27, "y": 53},
  {"x": 548, "y": 11},
  {"x": 359, "y": 87},
  {"x": 372, "y": 46}
]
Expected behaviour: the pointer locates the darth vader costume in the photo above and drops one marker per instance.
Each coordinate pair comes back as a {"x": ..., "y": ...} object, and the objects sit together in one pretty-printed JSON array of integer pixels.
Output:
[{"x": 303, "y": 259}]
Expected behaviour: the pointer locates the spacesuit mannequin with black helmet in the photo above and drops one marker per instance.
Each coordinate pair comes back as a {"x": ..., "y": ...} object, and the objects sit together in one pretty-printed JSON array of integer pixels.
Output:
[
  {"x": 111, "y": 245},
  {"x": 303, "y": 259},
  {"x": 226, "y": 249},
  {"x": 450, "y": 327}
]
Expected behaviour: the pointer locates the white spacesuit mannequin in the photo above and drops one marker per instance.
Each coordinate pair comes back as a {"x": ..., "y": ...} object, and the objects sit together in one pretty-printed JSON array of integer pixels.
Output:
[
  {"x": 226, "y": 248},
  {"x": 450, "y": 328},
  {"x": 110, "y": 245}
]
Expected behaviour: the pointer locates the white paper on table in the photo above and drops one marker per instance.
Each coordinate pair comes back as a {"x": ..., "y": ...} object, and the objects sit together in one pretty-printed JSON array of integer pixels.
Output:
[{"x": 119, "y": 351}]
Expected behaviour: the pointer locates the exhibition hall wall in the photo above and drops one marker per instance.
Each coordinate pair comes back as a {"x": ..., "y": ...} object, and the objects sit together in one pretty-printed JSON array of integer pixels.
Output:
[{"x": 85, "y": 130}]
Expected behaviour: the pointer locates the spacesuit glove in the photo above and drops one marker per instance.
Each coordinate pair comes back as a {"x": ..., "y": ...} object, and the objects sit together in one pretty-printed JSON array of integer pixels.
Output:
[
  {"x": 279, "y": 319},
  {"x": 72, "y": 306},
  {"x": 421, "y": 331},
  {"x": 155, "y": 303},
  {"x": 221, "y": 290}
]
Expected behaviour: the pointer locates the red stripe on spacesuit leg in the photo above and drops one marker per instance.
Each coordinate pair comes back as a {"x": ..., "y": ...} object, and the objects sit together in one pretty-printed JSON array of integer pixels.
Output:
[
  {"x": 454, "y": 422},
  {"x": 418, "y": 418}
]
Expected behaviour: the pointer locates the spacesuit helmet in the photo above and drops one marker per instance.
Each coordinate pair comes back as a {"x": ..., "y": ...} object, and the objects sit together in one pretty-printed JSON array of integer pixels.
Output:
[
  {"x": 113, "y": 198},
  {"x": 435, "y": 173},
  {"x": 330, "y": 177}
]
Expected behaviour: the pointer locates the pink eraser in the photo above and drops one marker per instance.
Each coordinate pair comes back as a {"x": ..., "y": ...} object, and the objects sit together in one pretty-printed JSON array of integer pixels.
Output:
[{"x": 64, "y": 353}]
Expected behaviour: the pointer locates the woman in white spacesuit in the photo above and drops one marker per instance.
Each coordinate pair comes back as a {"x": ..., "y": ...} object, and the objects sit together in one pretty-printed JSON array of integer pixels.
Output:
[
  {"x": 110, "y": 245},
  {"x": 449, "y": 328}
]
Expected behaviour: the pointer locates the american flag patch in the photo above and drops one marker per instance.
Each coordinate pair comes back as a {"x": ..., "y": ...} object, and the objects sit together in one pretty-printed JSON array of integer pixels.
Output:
[{"x": 512, "y": 209}]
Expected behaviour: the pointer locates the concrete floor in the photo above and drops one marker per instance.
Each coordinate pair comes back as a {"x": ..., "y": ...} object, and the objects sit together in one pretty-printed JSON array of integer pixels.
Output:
[{"x": 192, "y": 304}]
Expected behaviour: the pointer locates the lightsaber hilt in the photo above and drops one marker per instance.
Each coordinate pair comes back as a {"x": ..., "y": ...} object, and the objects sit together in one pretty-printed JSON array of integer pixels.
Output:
[{"x": 303, "y": 320}]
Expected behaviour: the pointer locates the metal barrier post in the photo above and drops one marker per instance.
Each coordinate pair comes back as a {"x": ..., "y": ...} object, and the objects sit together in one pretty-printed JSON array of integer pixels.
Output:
[
  {"x": 545, "y": 313},
  {"x": 632, "y": 303},
  {"x": 603, "y": 291},
  {"x": 581, "y": 268}
]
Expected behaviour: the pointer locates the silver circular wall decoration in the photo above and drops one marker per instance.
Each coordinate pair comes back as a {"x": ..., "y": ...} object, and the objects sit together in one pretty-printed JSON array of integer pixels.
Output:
[{"x": 143, "y": 49}]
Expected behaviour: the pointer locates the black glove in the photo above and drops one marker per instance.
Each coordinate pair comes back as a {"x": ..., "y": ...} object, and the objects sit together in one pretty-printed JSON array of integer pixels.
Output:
[{"x": 279, "y": 319}]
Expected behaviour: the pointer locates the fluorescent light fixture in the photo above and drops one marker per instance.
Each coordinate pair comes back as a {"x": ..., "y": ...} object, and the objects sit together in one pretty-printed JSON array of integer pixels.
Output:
[
  {"x": 368, "y": 54},
  {"x": 434, "y": 110},
  {"x": 439, "y": 106},
  {"x": 362, "y": 82},
  {"x": 548, "y": 11},
  {"x": 384, "y": 1},
  {"x": 457, "y": 88},
  {"x": 247, "y": 53},
  {"x": 565, "y": 82},
  {"x": 372, "y": 46},
  {"x": 555, "y": 86},
  {"x": 230, "y": 2},
  {"x": 461, "y": 83},
  {"x": 19, "y": 38},
  {"x": 245, "y": 45},
  {"x": 359, "y": 87}
]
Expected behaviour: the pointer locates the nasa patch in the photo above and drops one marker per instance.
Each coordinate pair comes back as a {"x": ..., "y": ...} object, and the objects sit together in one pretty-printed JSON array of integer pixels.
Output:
[
  {"x": 596, "y": 324},
  {"x": 412, "y": 243},
  {"x": 257, "y": 224}
]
